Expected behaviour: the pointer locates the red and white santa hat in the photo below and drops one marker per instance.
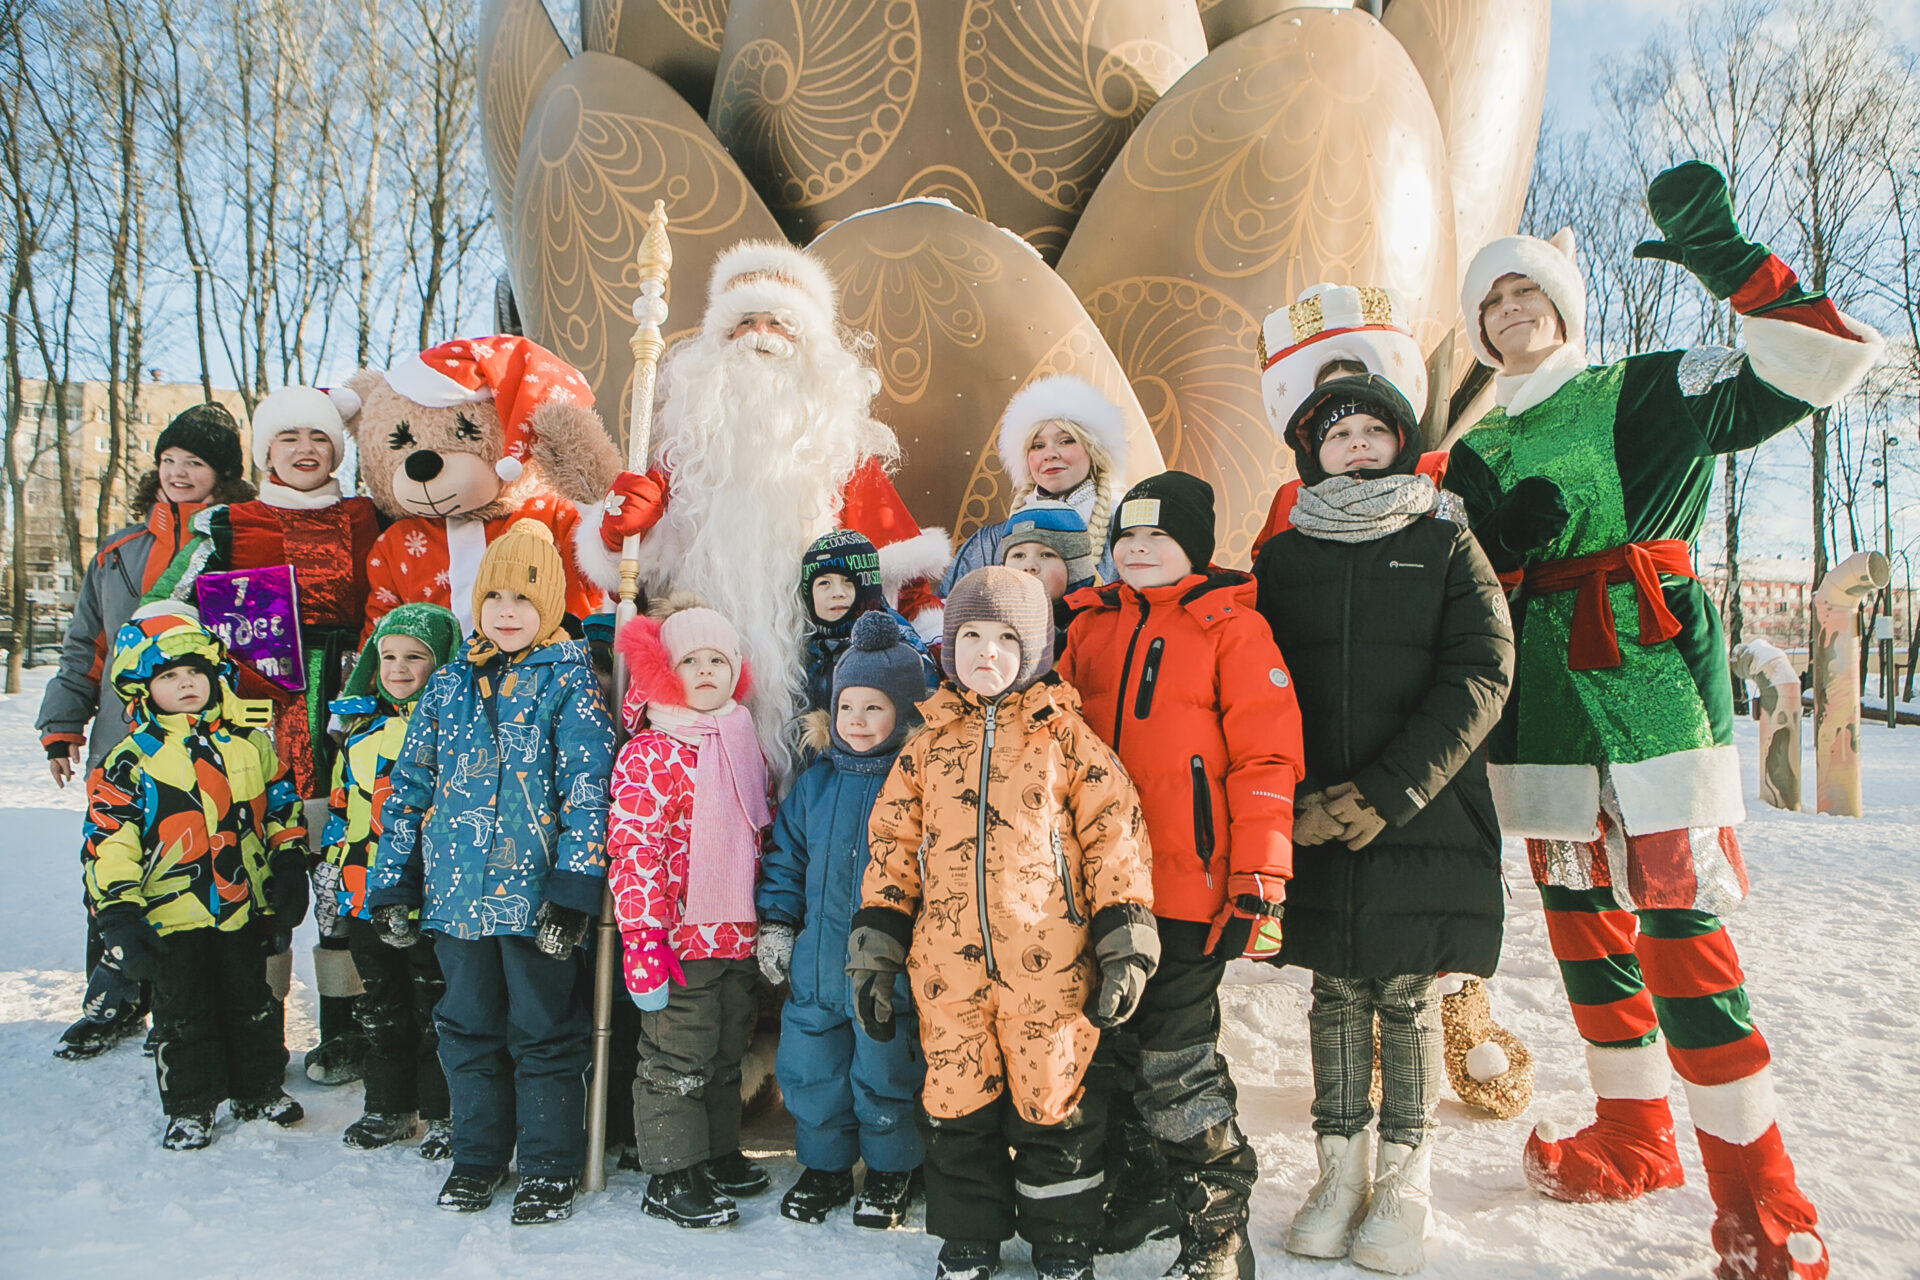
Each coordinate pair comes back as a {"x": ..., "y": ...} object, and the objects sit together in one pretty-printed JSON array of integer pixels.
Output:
[
  {"x": 1551, "y": 264},
  {"x": 303, "y": 408},
  {"x": 1365, "y": 323},
  {"x": 774, "y": 277},
  {"x": 518, "y": 375},
  {"x": 1056, "y": 398}
]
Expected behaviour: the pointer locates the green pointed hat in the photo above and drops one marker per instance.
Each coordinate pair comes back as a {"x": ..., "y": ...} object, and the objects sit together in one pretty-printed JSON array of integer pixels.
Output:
[{"x": 430, "y": 624}]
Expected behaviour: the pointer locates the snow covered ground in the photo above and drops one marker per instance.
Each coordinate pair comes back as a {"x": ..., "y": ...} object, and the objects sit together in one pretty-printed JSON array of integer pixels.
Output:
[{"x": 1830, "y": 940}]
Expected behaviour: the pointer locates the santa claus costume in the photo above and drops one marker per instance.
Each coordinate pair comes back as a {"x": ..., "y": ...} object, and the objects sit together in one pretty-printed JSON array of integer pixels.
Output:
[
  {"x": 1587, "y": 486},
  {"x": 766, "y": 442}
]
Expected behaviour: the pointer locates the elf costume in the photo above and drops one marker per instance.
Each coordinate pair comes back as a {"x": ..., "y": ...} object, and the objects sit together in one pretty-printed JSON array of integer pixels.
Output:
[{"x": 1587, "y": 486}]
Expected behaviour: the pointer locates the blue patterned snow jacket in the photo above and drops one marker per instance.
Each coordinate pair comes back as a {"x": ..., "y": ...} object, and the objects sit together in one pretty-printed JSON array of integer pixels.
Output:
[
  {"x": 499, "y": 798},
  {"x": 810, "y": 879}
]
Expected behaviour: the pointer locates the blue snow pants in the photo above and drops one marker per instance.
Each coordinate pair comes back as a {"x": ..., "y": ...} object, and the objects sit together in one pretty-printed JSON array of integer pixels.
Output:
[{"x": 851, "y": 1097}]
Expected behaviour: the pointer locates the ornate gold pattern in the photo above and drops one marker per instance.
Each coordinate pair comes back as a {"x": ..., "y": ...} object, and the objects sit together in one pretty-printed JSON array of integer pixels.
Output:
[
  {"x": 1188, "y": 351},
  {"x": 815, "y": 108},
  {"x": 704, "y": 20},
  {"x": 1052, "y": 109},
  {"x": 519, "y": 50},
  {"x": 906, "y": 298},
  {"x": 945, "y": 182},
  {"x": 1225, "y": 19}
]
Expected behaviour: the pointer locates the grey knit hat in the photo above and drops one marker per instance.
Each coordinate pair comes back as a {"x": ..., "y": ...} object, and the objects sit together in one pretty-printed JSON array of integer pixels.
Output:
[
  {"x": 879, "y": 657},
  {"x": 1015, "y": 599},
  {"x": 1056, "y": 525}
]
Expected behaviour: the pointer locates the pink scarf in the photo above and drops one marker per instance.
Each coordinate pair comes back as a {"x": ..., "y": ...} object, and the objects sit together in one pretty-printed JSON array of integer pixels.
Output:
[{"x": 729, "y": 809}]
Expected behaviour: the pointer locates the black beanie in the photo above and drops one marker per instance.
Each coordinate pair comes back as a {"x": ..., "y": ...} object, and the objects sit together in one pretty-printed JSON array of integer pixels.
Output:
[
  {"x": 1337, "y": 398},
  {"x": 209, "y": 433},
  {"x": 1180, "y": 504}
]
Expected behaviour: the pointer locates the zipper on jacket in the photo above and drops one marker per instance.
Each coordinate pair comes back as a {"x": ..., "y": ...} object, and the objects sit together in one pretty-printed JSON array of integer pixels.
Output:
[
  {"x": 1126, "y": 671},
  {"x": 1066, "y": 880},
  {"x": 1346, "y": 671},
  {"x": 1202, "y": 816},
  {"x": 1149, "y": 676},
  {"x": 980, "y": 848}
]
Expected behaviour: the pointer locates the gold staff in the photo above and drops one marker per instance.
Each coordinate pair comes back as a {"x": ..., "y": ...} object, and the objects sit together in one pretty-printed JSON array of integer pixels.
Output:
[{"x": 649, "y": 313}]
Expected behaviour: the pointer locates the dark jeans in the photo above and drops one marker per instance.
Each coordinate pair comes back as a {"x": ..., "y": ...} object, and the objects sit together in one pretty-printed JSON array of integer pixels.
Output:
[
  {"x": 515, "y": 1039},
  {"x": 1049, "y": 1186},
  {"x": 686, "y": 1096},
  {"x": 403, "y": 984},
  {"x": 218, "y": 1035}
]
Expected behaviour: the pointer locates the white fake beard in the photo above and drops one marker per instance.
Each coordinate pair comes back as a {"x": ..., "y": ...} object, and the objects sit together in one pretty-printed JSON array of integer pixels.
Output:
[{"x": 759, "y": 445}]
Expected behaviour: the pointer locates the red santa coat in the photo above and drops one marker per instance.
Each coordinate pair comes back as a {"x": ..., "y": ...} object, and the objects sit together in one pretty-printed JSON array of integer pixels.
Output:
[{"x": 429, "y": 560}]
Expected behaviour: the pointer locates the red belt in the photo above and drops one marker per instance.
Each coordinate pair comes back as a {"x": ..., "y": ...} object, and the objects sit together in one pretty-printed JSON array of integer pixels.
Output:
[{"x": 1593, "y": 642}]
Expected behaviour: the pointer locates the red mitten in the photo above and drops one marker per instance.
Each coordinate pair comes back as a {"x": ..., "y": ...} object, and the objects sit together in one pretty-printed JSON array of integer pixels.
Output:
[
  {"x": 649, "y": 963},
  {"x": 1248, "y": 923},
  {"x": 634, "y": 505}
]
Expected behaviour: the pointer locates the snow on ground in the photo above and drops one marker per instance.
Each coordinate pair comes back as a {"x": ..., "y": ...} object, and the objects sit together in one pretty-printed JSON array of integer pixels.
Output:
[{"x": 1830, "y": 939}]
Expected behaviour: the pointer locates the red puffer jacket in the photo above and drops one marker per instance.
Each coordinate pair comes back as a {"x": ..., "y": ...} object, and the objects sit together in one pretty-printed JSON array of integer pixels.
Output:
[{"x": 1185, "y": 683}]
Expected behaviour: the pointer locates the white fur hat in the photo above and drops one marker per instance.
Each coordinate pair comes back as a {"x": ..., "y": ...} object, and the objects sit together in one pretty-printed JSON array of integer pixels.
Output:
[
  {"x": 1367, "y": 323},
  {"x": 300, "y": 408},
  {"x": 1061, "y": 396},
  {"x": 770, "y": 276},
  {"x": 1548, "y": 263}
]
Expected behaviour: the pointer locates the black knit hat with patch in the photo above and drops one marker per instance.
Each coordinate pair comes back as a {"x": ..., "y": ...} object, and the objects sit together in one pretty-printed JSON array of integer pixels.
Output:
[
  {"x": 1180, "y": 504},
  {"x": 1340, "y": 398},
  {"x": 209, "y": 433}
]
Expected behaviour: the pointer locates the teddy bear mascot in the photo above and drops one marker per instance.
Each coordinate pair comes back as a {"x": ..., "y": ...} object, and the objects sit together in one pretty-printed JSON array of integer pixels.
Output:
[
  {"x": 766, "y": 440},
  {"x": 1586, "y": 485}
]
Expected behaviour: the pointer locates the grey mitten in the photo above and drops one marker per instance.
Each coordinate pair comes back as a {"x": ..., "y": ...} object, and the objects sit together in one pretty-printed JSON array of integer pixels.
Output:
[
  {"x": 557, "y": 930},
  {"x": 876, "y": 955},
  {"x": 326, "y": 901},
  {"x": 1126, "y": 946},
  {"x": 773, "y": 948},
  {"x": 396, "y": 925}
]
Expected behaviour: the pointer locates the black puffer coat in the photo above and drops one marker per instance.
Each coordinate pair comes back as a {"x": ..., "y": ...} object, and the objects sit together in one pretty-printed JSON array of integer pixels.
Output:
[{"x": 1401, "y": 653}]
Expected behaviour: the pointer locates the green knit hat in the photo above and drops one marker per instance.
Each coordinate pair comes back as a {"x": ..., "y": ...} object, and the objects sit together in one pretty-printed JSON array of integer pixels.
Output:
[{"x": 430, "y": 624}]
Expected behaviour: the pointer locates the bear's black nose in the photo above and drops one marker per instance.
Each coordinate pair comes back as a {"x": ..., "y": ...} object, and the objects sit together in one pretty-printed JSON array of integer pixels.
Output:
[{"x": 423, "y": 465}]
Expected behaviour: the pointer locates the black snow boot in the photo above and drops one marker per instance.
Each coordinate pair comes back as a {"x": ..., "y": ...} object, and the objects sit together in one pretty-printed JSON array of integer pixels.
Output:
[
  {"x": 188, "y": 1133},
  {"x": 968, "y": 1260},
  {"x": 1228, "y": 1257},
  {"x": 687, "y": 1199},
  {"x": 735, "y": 1175},
  {"x": 438, "y": 1142},
  {"x": 542, "y": 1200},
  {"x": 817, "y": 1193},
  {"x": 1214, "y": 1203},
  {"x": 1072, "y": 1260},
  {"x": 151, "y": 1045},
  {"x": 470, "y": 1187},
  {"x": 88, "y": 1039},
  {"x": 341, "y": 1055},
  {"x": 378, "y": 1129},
  {"x": 1140, "y": 1203},
  {"x": 886, "y": 1197},
  {"x": 279, "y": 1108},
  {"x": 629, "y": 1161}
]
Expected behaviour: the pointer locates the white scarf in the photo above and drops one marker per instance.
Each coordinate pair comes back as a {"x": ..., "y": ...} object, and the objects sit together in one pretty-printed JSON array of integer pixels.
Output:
[
  {"x": 275, "y": 494},
  {"x": 1343, "y": 509},
  {"x": 1518, "y": 393}
]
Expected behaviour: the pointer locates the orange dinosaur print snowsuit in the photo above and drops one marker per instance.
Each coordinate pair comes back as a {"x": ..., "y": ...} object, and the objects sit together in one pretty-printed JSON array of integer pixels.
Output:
[{"x": 1002, "y": 830}]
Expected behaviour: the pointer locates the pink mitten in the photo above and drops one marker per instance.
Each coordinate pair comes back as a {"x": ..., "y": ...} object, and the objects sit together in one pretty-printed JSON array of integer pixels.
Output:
[{"x": 649, "y": 964}]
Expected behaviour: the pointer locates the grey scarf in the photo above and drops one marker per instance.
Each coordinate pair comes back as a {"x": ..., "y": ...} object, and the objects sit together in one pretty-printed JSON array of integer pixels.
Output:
[{"x": 1343, "y": 509}]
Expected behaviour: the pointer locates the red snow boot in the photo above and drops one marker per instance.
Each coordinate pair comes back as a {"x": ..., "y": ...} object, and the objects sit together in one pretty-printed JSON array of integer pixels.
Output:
[
  {"x": 1763, "y": 1228},
  {"x": 1628, "y": 1150}
]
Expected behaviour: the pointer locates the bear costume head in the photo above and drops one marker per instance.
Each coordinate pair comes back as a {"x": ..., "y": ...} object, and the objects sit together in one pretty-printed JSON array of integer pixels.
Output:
[{"x": 474, "y": 427}]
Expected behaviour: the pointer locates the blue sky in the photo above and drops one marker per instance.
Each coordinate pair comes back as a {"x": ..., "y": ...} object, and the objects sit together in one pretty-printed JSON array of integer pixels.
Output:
[{"x": 1585, "y": 31}]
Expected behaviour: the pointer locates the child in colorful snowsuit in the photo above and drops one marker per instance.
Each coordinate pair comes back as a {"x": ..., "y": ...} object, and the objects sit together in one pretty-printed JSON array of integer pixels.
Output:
[
  {"x": 1177, "y": 671},
  {"x": 395, "y": 1011},
  {"x": 1049, "y": 540},
  {"x": 196, "y": 864},
  {"x": 1396, "y": 632},
  {"x": 851, "y": 1097},
  {"x": 495, "y": 833},
  {"x": 840, "y": 584},
  {"x": 689, "y": 809},
  {"x": 1009, "y": 878}
]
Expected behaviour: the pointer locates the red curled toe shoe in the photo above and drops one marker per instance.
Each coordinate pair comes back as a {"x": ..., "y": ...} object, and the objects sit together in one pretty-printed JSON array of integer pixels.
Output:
[{"x": 1626, "y": 1152}]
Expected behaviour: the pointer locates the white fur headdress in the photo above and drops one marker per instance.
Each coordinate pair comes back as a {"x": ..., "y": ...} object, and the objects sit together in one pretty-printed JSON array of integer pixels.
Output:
[
  {"x": 1548, "y": 263},
  {"x": 1077, "y": 401},
  {"x": 1367, "y": 323},
  {"x": 767, "y": 275},
  {"x": 299, "y": 408}
]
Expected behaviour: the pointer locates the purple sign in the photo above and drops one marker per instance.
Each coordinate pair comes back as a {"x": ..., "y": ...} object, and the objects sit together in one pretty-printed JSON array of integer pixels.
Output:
[{"x": 256, "y": 614}]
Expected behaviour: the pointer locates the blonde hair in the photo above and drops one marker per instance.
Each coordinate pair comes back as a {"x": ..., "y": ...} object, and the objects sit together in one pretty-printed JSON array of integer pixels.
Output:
[{"x": 1099, "y": 470}]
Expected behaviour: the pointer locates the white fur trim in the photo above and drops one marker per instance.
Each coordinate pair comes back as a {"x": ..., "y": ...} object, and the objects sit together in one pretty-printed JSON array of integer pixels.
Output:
[
  {"x": 509, "y": 469},
  {"x": 421, "y": 383},
  {"x": 601, "y": 567},
  {"x": 1809, "y": 364},
  {"x": 1550, "y": 264},
  {"x": 296, "y": 409},
  {"x": 1547, "y": 801},
  {"x": 793, "y": 277},
  {"x": 1393, "y": 355},
  {"x": 287, "y": 498},
  {"x": 793, "y": 308},
  {"x": 345, "y": 399},
  {"x": 1805, "y": 1248},
  {"x": 1487, "y": 1061},
  {"x": 335, "y": 974},
  {"x": 930, "y": 624},
  {"x": 1641, "y": 1072},
  {"x": 165, "y": 609},
  {"x": 1738, "y": 1112},
  {"x": 466, "y": 543},
  {"x": 1699, "y": 788},
  {"x": 1517, "y": 394},
  {"x": 925, "y": 555},
  {"x": 1061, "y": 395}
]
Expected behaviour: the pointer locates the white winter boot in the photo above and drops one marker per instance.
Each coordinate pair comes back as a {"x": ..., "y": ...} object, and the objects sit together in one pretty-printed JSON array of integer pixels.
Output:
[
  {"x": 1393, "y": 1239},
  {"x": 1325, "y": 1224}
]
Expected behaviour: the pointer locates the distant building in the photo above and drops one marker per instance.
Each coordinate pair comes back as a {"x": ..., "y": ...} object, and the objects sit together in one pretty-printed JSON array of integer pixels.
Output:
[{"x": 1776, "y": 600}]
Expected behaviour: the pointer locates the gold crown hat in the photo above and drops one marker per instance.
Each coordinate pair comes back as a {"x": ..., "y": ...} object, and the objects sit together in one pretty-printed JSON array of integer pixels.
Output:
[
  {"x": 1367, "y": 323},
  {"x": 524, "y": 560}
]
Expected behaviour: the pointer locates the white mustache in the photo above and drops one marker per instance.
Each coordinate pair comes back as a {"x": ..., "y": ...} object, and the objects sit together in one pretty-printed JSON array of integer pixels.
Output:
[{"x": 768, "y": 344}]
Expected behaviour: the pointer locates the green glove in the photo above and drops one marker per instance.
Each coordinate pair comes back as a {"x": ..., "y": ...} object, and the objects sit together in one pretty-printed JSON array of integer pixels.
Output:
[{"x": 1693, "y": 210}]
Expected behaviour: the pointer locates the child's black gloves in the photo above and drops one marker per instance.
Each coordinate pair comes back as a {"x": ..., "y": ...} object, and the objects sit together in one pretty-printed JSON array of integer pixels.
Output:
[
  {"x": 131, "y": 941},
  {"x": 1126, "y": 946},
  {"x": 110, "y": 993},
  {"x": 287, "y": 890},
  {"x": 557, "y": 930},
  {"x": 876, "y": 955},
  {"x": 396, "y": 925},
  {"x": 1531, "y": 515}
]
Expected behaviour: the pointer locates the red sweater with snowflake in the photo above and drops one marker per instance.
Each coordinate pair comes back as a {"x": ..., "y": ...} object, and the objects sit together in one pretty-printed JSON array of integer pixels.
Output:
[{"x": 648, "y": 835}]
